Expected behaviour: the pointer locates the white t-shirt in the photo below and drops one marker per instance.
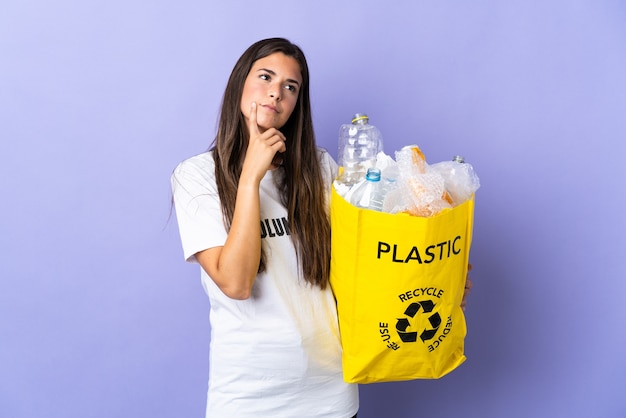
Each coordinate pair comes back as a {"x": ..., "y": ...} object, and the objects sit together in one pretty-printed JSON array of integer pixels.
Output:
[{"x": 276, "y": 354}]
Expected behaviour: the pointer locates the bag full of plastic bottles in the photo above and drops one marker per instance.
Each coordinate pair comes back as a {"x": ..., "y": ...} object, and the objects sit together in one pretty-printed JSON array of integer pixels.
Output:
[{"x": 400, "y": 244}]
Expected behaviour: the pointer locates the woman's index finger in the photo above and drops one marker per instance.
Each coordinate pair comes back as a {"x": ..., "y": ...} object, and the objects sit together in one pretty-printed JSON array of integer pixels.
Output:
[{"x": 253, "y": 128}]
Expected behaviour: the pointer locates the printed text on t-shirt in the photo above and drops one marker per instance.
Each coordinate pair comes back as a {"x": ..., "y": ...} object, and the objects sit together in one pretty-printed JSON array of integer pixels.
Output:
[{"x": 274, "y": 227}]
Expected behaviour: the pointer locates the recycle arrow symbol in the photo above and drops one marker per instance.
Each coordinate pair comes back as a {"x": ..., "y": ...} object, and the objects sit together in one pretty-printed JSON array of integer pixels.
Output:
[
  {"x": 435, "y": 321},
  {"x": 403, "y": 323}
]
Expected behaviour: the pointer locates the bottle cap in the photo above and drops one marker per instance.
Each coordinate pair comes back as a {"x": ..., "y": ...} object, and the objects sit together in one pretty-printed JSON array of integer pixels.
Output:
[
  {"x": 360, "y": 118},
  {"x": 458, "y": 159},
  {"x": 373, "y": 174}
]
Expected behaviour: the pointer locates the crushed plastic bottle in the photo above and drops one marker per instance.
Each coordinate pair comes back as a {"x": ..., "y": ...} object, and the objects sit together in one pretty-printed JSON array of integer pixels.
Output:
[
  {"x": 370, "y": 193},
  {"x": 424, "y": 189},
  {"x": 460, "y": 179}
]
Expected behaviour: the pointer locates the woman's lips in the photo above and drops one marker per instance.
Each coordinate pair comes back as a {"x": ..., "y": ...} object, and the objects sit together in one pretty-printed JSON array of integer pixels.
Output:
[{"x": 270, "y": 107}]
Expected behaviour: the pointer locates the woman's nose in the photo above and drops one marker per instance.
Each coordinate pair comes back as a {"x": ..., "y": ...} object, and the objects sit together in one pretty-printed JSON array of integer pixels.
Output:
[{"x": 274, "y": 93}]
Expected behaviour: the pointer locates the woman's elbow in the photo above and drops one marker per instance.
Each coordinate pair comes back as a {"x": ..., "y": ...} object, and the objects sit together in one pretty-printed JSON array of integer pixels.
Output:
[
  {"x": 237, "y": 291},
  {"x": 234, "y": 283},
  {"x": 238, "y": 294}
]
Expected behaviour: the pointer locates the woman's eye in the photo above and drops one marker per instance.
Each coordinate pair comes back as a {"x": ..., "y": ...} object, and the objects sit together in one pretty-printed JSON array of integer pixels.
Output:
[
  {"x": 264, "y": 77},
  {"x": 291, "y": 88}
]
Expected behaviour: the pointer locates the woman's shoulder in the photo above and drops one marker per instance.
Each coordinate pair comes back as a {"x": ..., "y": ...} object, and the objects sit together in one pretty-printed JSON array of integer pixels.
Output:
[
  {"x": 327, "y": 163},
  {"x": 195, "y": 172},
  {"x": 323, "y": 153},
  {"x": 198, "y": 164}
]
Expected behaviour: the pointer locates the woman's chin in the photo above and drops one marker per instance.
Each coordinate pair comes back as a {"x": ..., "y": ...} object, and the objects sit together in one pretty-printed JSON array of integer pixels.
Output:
[{"x": 265, "y": 124}]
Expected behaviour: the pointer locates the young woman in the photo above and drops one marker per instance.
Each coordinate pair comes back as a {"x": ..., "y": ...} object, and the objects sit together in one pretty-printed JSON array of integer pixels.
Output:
[{"x": 253, "y": 212}]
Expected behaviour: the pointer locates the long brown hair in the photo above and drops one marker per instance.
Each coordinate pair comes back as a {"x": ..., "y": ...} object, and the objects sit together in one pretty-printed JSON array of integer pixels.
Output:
[{"x": 302, "y": 187}]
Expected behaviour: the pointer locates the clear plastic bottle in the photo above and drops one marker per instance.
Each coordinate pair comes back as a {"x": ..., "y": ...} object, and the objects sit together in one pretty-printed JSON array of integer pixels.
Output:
[
  {"x": 359, "y": 144},
  {"x": 370, "y": 193}
]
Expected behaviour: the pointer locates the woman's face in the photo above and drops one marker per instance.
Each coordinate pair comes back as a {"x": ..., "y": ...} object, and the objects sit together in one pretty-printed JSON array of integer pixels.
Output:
[{"x": 274, "y": 83}]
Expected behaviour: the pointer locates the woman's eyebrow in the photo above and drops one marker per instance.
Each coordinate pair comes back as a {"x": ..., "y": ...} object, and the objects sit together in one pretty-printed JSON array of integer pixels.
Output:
[{"x": 274, "y": 73}]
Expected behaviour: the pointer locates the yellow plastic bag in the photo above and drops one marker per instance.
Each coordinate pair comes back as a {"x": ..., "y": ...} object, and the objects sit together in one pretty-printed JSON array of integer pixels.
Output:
[{"x": 399, "y": 282}]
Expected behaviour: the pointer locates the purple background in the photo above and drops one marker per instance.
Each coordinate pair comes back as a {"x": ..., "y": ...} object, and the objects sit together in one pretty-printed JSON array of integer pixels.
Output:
[{"x": 99, "y": 100}]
